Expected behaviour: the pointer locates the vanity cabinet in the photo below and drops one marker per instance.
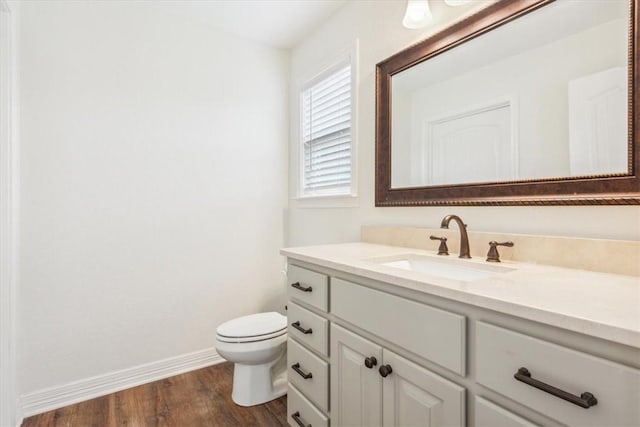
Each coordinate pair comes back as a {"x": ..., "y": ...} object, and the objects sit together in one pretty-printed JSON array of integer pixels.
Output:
[
  {"x": 373, "y": 386},
  {"x": 308, "y": 328},
  {"x": 309, "y": 373},
  {"x": 363, "y": 352},
  {"x": 356, "y": 387},
  {"x": 437, "y": 335},
  {"x": 308, "y": 287},
  {"x": 307, "y": 347},
  {"x": 491, "y": 415},
  {"x": 303, "y": 413},
  {"x": 599, "y": 392},
  {"x": 415, "y": 396}
]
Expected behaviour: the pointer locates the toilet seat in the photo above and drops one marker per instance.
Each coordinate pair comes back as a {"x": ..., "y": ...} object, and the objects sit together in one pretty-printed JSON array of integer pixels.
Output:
[
  {"x": 252, "y": 328},
  {"x": 257, "y": 346}
]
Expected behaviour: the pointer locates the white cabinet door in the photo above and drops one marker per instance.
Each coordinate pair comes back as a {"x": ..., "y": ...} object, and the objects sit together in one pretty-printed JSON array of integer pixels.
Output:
[
  {"x": 415, "y": 396},
  {"x": 356, "y": 390}
]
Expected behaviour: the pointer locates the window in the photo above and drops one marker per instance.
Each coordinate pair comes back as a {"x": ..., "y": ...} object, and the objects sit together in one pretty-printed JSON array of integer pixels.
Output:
[{"x": 326, "y": 108}]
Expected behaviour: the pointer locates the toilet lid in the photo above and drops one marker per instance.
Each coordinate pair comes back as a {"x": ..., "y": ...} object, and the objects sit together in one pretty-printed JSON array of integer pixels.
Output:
[{"x": 254, "y": 325}]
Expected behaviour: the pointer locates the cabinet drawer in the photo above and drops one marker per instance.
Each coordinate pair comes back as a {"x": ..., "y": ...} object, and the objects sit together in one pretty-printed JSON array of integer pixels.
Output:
[
  {"x": 308, "y": 286},
  {"x": 491, "y": 415},
  {"x": 308, "y": 328},
  {"x": 311, "y": 376},
  {"x": 432, "y": 333},
  {"x": 501, "y": 353},
  {"x": 299, "y": 407}
]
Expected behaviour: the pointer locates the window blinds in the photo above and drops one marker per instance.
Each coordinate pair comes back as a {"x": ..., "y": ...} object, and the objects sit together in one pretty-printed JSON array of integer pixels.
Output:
[{"x": 326, "y": 135}]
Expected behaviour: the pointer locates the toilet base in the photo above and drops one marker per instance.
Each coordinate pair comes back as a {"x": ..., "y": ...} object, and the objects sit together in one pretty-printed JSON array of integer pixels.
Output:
[{"x": 257, "y": 384}]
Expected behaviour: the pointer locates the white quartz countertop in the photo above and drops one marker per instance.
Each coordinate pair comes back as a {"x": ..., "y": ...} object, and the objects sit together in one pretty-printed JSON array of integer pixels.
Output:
[{"x": 598, "y": 304}]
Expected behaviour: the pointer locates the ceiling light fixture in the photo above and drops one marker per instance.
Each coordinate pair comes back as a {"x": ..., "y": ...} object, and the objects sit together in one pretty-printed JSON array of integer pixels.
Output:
[{"x": 417, "y": 15}]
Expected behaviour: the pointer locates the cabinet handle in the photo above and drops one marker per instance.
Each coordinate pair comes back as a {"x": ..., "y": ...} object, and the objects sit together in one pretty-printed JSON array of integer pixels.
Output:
[
  {"x": 301, "y": 329},
  {"x": 305, "y": 375},
  {"x": 298, "y": 420},
  {"x": 585, "y": 400},
  {"x": 385, "y": 370},
  {"x": 298, "y": 286},
  {"x": 370, "y": 362}
]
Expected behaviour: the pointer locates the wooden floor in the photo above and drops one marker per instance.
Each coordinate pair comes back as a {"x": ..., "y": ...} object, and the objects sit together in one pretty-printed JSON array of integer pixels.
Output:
[{"x": 198, "y": 398}]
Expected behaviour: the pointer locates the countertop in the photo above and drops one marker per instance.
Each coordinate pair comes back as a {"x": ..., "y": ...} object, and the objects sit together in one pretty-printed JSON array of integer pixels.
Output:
[{"x": 602, "y": 305}]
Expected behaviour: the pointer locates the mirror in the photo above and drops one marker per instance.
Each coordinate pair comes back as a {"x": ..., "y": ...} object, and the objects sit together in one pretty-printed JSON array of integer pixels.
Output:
[{"x": 526, "y": 102}]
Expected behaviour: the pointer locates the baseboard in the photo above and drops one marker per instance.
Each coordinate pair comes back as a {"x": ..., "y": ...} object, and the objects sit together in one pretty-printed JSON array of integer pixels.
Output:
[
  {"x": 56, "y": 397},
  {"x": 19, "y": 418}
]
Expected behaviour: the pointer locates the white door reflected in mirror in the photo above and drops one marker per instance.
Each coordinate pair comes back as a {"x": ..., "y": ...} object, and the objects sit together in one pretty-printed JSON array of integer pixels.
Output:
[{"x": 544, "y": 96}]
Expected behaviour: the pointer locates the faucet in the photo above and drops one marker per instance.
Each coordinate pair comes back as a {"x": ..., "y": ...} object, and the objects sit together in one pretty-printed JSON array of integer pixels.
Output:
[{"x": 464, "y": 238}]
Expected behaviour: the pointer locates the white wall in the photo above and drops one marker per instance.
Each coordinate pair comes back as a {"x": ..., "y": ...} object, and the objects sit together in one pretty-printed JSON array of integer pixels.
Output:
[
  {"x": 8, "y": 213},
  {"x": 153, "y": 186},
  {"x": 377, "y": 25}
]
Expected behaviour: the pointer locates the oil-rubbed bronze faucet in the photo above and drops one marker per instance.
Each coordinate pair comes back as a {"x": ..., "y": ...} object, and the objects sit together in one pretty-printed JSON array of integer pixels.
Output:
[{"x": 464, "y": 238}]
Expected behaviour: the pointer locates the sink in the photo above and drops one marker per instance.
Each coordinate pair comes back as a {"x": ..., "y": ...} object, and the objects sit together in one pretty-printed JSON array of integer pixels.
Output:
[{"x": 447, "y": 268}]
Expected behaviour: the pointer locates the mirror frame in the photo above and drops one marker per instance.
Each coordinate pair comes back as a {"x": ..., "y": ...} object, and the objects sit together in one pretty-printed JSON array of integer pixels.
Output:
[{"x": 611, "y": 189}]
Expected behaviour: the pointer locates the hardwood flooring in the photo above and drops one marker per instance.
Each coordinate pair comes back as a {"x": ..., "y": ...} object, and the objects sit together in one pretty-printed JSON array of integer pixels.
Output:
[{"x": 198, "y": 398}]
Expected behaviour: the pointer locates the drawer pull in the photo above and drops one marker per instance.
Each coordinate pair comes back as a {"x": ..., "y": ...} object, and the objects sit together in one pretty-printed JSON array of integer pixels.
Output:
[
  {"x": 585, "y": 400},
  {"x": 370, "y": 362},
  {"x": 385, "y": 370},
  {"x": 301, "y": 329},
  {"x": 305, "y": 375},
  {"x": 298, "y": 286},
  {"x": 298, "y": 420}
]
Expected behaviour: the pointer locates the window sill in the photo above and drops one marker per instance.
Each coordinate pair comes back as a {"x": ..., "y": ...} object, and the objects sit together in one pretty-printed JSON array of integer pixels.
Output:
[{"x": 326, "y": 201}]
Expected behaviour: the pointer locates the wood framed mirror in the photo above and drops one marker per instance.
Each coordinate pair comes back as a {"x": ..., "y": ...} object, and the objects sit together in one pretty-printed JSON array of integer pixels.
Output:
[{"x": 526, "y": 102}]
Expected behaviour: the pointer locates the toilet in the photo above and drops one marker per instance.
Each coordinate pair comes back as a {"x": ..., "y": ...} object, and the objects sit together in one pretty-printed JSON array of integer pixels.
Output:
[{"x": 256, "y": 344}]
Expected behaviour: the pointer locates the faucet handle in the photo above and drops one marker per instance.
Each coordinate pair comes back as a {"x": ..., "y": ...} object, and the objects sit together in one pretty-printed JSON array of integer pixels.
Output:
[
  {"x": 493, "y": 255},
  {"x": 442, "y": 249}
]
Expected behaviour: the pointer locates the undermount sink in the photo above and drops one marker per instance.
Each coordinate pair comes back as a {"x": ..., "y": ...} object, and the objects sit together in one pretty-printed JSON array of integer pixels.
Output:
[{"x": 447, "y": 268}]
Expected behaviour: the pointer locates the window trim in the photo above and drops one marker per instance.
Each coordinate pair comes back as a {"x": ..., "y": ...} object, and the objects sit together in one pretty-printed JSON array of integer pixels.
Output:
[{"x": 347, "y": 56}]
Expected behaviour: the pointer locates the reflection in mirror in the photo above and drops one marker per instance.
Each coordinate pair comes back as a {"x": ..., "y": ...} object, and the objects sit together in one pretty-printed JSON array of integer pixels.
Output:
[{"x": 544, "y": 96}]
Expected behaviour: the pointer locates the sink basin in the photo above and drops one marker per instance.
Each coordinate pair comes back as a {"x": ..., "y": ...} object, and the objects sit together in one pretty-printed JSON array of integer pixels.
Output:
[{"x": 447, "y": 268}]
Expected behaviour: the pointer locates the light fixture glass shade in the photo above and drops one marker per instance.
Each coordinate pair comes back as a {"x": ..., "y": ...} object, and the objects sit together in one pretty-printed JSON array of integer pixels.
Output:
[
  {"x": 417, "y": 15},
  {"x": 456, "y": 2}
]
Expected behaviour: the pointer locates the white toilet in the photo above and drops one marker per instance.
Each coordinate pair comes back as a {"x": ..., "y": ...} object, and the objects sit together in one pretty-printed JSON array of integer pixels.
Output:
[{"x": 257, "y": 345}]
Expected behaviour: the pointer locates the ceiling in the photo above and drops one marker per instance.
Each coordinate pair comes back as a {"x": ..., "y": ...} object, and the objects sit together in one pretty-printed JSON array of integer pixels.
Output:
[{"x": 277, "y": 23}]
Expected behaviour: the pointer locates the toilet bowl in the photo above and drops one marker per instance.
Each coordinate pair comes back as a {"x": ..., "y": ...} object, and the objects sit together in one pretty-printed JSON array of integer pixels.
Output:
[{"x": 256, "y": 344}]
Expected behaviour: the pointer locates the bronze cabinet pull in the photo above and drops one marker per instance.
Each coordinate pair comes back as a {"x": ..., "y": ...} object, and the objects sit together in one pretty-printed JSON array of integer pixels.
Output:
[
  {"x": 301, "y": 329},
  {"x": 385, "y": 370},
  {"x": 370, "y": 362},
  {"x": 305, "y": 375},
  {"x": 298, "y": 286},
  {"x": 298, "y": 420},
  {"x": 585, "y": 400}
]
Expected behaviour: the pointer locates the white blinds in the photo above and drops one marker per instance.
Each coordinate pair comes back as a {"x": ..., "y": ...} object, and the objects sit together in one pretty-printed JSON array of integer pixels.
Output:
[{"x": 326, "y": 135}]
